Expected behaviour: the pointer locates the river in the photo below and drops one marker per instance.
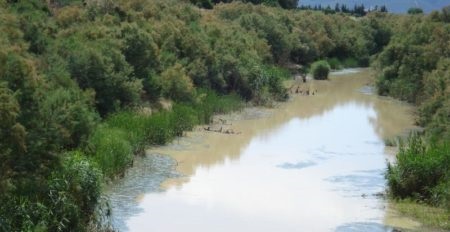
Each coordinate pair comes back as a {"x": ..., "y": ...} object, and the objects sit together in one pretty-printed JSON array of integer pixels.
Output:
[{"x": 314, "y": 163}]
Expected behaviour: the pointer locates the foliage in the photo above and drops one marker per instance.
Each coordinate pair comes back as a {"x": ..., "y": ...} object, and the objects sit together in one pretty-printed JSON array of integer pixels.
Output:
[
  {"x": 435, "y": 106},
  {"x": 105, "y": 70},
  {"x": 416, "y": 49},
  {"x": 415, "y": 10},
  {"x": 320, "y": 70},
  {"x": 74, "y": 73},
  {"x": 126, "y": 133},
  {"x": 414, "y": 67},
  {"x": 67, "y": 202},
  {"x": 335, "y": 63},
  {"x": 286, "y": 4},
  {"x": 421, "y": 172},
  {"x": 111, "y": 150},
  {"x": 176, "y": 84}
]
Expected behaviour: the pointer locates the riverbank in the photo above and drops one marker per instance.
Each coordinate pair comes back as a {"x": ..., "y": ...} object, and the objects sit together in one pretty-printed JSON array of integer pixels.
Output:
[{"x": 432, "y": 218}]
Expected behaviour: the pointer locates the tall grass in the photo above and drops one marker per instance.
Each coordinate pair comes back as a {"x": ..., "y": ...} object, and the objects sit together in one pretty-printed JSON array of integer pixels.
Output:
[
  {"x": 434, "y": 217},
  {"x": 126, "y": 133},
  {"x": 112, "y": 149},
  {"x": 210, "y": 103}
]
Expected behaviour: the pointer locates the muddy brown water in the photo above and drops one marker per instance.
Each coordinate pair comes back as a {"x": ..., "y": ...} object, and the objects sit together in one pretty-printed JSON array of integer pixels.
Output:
[{"x": 314, "y": 163}]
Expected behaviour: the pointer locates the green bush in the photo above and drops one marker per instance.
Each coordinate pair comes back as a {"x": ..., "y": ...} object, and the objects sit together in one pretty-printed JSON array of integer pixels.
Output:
[
  {"x": 111, "y": 149},
  {"x": 335, "y": 63},
  {"x": 66, "y": 203},
  {"x": 421, "y": 172},
  {"x": 84, "y": 180},
  {"x": 320, "y": 70},
  {"x": 74, "y": 192},
  {"x": 350, "y": 63},
  {"x": 176, "y": 84}
]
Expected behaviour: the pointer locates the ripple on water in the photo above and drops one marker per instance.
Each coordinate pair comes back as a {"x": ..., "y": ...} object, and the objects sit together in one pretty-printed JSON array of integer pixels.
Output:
[
  {"x": 299, "y": 165},
  {"x": 364, "y": 226},
  {"x": 366, "y": 182},
  {"x": 145, "y": 176},
  {"x": 368, "y": 90}
]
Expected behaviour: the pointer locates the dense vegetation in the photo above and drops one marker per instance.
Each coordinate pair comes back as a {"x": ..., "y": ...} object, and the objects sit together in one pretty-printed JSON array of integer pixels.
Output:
[
  {"x": 414, "y": 67},
  {"x": 84, "y": 85}
]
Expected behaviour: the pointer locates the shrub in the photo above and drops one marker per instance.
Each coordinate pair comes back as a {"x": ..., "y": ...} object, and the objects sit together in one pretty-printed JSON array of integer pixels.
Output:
[
  {"x": 334, "y": 63},
  {"x": 420, "y": 172},
  {"x": 84, "y": 180},
  {"x": 66, "y": 202},
  {"x": 351, "y": 63},
  {"x": 320, "y": 70},
  {"x": 73, "y": 193},
  {"x": 176, "y": 84}
]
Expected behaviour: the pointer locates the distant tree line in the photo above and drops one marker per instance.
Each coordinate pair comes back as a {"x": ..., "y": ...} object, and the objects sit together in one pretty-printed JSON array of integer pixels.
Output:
[
  {"x": 286, "y": 4},
  {"x": 357, "y": 10}
]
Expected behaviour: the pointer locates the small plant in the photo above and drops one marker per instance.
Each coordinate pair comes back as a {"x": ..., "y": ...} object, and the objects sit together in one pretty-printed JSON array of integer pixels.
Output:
[{"x": 320, "y": 70}]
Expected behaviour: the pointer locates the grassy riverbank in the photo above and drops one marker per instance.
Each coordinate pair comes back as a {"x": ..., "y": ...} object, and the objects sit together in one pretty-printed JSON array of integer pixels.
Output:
[
  {"x": 429, "y": 216},
  {"x": 128, "y": 133}
]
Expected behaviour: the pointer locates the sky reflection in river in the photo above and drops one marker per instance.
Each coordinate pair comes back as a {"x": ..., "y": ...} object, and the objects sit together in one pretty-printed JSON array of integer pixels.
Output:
[{"x": 314, "y": 164}]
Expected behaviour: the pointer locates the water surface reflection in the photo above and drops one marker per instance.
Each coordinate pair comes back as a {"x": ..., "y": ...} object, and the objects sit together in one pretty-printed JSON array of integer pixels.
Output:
[{"x": 315, "y": 163}]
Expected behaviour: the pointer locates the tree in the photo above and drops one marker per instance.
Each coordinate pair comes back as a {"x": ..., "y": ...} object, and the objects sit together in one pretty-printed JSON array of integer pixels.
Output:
[
  {"x": 203, "y": 3},
  {"x": 105, "y": 70},
  {"x": 141, "y": 52},
  {"x": 288, "y": 4},
  {"x": 176, "y": 84},
  {"x": 12, "y": 135},
  {"x": 415, "y": 10}
]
